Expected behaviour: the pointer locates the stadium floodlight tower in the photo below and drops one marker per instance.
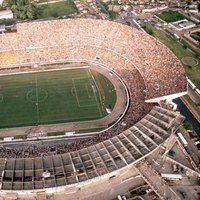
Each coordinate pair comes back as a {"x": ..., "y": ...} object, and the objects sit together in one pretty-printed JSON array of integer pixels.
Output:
[{"x": 100, "y": 167}]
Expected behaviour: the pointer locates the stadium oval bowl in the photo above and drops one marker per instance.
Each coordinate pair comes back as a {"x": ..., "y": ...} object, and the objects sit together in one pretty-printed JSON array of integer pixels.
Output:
[{"x": 150, "y": 71}]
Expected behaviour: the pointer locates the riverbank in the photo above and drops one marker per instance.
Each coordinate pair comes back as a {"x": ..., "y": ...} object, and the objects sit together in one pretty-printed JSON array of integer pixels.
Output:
[{"x": 191, "y": 108}]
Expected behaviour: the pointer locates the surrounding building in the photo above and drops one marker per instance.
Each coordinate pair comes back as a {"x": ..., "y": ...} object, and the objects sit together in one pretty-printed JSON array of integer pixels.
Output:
[{"x": 182, "y": 24}]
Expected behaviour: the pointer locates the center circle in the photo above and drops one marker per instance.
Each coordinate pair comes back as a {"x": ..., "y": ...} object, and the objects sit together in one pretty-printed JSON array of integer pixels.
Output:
[{"x": 37, "y": 95}]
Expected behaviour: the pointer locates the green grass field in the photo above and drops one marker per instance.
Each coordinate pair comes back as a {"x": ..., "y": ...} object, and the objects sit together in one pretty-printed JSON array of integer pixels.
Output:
[
  {"x": 57, "y": 9},
  {"x": 53, "y": 97},
  {"x": 171, "y": 16}
]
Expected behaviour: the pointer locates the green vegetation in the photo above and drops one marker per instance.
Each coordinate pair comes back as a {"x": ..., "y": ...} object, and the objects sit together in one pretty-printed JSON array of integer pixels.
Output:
[
  {"x": 41, "y": 1},
  {"x": 20, "y": 137},
  {"x": 23, "y": 9},
  {"x": 108, "y": 94},
  {"x": 7, "y": 22},
  {"x": 187, "y": 125},
  {"x": 91, "y": 130},
  {"x": 58, "y": 9},
  {"x": 55, "y": 133},
  {"x": 115, "y": 2},
  {"x": 148, "y": 29},
  {"x": 181, "y": 49},
  {"x": 54, "y": 97},
  {"x": 171, "y": 16},
  {"x": 194, "y": 106},
  {"x": 112, "y": 14}
]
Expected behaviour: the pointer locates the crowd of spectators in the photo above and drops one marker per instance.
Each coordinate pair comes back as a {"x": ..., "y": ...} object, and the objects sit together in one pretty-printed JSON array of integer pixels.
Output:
[
  {"x": 118, "y": 46},
  {"x": 147, "y": 67}
]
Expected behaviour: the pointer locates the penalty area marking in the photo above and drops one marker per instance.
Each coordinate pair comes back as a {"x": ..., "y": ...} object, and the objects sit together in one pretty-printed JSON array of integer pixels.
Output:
[
  {"x": 74, "y": 93},
  {"x": 90, "y": 75},
  {"x": 189, "y": 61},
  {"x": 90, "y": 96}
]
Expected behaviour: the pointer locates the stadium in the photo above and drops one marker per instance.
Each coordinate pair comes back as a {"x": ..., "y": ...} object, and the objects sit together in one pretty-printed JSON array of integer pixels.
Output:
[{"x": 94, "y": 167}]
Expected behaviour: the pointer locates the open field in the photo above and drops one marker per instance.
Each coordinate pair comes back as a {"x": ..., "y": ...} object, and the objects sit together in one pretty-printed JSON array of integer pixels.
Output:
[
  {"x": 57, "y": 9},
  {"x": 171, "y": 16},
  {"x": 53, "y": 97},
  {"x": 183, "y": 51}
]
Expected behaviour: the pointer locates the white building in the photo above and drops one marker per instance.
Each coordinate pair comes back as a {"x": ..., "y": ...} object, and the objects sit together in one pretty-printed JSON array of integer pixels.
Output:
[
  {"x": 182, "y": 24},
  {"x": 6, "y": 14}
]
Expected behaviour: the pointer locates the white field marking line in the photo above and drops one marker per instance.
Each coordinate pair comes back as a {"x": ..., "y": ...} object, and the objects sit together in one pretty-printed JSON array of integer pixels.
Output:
[
  {"x": 44, "y": 99},
  {"x": 76, "y": 94},
  {"x": 88, "y": 92},
  {"x": 90, "y": 97},
  {"x": 27, "y": 96},
  {"x": 90, "y": 75},
  {"x": 72, "y": 92},
  {"x": 36, "y": 91},
  {"x": 67, "y": 121}
]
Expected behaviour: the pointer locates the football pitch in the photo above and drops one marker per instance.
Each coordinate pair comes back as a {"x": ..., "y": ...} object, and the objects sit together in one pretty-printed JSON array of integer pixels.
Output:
[{"x": 49, "y": 97}]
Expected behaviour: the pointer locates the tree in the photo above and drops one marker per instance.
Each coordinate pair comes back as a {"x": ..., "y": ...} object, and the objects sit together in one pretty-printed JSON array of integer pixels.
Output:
[
  {"x": 23, "y": 9},
  {"x": 31, "y": 11}
]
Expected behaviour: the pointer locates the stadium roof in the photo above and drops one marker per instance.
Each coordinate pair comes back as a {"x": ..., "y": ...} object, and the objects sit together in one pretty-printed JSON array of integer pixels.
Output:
[{"x": 88, "y": 163}]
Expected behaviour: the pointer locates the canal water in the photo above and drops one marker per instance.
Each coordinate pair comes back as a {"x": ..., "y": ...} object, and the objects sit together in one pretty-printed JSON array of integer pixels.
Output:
[{"x": 189, "y": 116}]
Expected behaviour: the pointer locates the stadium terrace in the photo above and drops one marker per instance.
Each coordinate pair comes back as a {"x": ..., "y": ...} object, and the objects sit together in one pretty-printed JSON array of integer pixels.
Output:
[{"x": 150, "y": 71}]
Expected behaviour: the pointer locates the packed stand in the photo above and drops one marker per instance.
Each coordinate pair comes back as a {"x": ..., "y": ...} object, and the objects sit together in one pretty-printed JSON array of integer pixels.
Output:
[{"x": 113, "y": 43}]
